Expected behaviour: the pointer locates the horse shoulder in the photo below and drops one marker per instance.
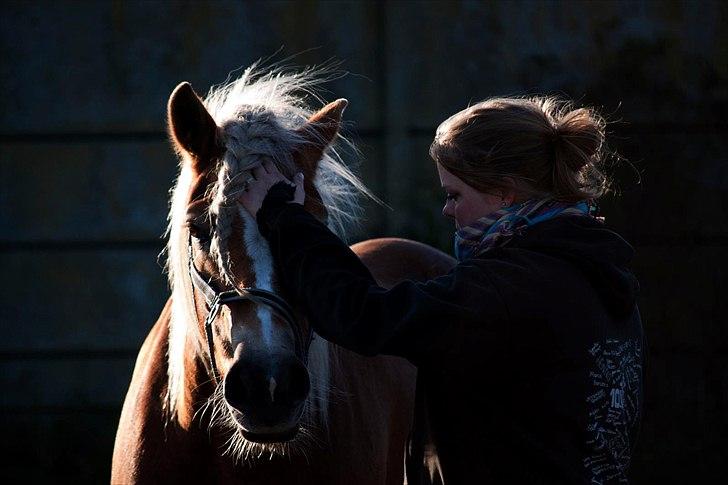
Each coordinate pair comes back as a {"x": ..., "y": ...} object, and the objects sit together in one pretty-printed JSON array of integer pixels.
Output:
[
  {"x": 391, "y": 260},
  {"x": 148, "y": 444}
]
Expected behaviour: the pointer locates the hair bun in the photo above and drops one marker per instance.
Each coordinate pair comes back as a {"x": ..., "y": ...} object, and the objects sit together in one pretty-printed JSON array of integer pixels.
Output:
[{"x": 579, "y": 136}]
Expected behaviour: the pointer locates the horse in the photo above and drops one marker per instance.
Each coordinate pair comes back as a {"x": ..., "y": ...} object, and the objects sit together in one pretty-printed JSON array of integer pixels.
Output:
[{"x": 232, "y": 385}]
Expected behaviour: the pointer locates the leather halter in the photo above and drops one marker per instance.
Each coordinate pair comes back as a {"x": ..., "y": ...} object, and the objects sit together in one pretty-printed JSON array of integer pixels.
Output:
[{"x": 216, "y": 299}]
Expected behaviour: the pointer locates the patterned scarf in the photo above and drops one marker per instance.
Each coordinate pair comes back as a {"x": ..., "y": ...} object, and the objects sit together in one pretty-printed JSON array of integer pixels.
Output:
[{"x": 499, "y": 227}]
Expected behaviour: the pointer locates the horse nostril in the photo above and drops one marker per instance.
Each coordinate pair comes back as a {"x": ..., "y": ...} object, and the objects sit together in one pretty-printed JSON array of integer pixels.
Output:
[{"x": 236, "y": 390}]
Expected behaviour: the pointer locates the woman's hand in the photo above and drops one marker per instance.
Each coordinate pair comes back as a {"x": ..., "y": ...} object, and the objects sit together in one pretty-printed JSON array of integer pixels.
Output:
[{"x": 264, "y": 177}]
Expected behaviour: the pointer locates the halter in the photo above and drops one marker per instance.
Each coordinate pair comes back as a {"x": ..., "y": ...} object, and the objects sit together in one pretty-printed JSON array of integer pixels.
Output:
[{"x": 216, "y": 299}]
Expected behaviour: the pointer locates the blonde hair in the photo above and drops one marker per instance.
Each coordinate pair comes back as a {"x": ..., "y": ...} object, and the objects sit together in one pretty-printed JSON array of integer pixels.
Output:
[{"x": 546, "y": 144}]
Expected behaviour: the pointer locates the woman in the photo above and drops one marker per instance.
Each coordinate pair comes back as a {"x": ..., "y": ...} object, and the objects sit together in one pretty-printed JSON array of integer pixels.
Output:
[{"x": 530, "y": 351}]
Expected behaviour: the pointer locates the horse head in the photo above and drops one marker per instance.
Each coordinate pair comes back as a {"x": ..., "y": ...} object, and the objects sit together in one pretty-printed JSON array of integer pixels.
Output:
[{"x": 254, "y": 349}]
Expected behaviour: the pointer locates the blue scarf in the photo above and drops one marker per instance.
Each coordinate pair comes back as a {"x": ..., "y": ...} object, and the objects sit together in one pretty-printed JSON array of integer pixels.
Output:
[{"x": 497, "y": 228}]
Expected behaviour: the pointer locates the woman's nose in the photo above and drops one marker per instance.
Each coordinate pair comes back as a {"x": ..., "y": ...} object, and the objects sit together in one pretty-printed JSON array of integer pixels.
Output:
[{"x": 446, "y": 211}]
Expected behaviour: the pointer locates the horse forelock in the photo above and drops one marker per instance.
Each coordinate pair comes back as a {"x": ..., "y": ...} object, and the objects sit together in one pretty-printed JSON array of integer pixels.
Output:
[
  {"x": 258, "y": 115},
  {"x": 268, "y": 107}
]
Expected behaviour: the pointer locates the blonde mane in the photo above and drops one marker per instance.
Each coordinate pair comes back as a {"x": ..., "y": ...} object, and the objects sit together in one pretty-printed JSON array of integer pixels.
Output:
[{"x": 258, "y": 114}]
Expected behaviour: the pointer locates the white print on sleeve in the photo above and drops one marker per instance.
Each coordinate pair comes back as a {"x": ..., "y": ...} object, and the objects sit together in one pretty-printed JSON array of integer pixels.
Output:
[{"x": 614, "y": 407}]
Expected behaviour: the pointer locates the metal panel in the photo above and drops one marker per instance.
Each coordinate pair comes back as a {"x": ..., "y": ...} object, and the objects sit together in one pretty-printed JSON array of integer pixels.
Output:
[
  {"x": 63, "y": 446},
  {"x": 110, "y": 66},
  {"x": 80, "y": 300},
  {"x": 650, "y": 62},
  {"x": 99, "y": 191},
  {"x": 47, "y": 384}
]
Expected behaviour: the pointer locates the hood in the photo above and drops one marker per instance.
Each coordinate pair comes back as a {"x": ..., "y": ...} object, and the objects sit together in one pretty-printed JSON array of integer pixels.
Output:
[{"x": 602, "y": 254}]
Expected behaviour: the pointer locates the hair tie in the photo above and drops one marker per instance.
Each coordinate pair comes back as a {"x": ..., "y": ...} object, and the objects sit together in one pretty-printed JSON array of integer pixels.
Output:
[
  {"x": 554, "y": 141},
  {"x": 555, "y": 132}
]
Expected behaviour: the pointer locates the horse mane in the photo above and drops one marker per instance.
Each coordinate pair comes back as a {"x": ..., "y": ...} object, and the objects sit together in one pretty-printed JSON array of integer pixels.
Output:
[{"x": 259, "y": 114}]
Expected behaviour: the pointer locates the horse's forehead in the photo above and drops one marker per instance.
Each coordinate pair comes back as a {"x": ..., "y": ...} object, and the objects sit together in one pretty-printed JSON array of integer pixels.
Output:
[
  {"x": 238, "y": 251},
  {"x": 258, "y": 120},
  {"x": 248, "y": 253}
]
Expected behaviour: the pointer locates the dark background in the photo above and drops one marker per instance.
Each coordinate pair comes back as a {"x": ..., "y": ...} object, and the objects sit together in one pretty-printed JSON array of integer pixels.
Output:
[{"x": 85, "y": 167}]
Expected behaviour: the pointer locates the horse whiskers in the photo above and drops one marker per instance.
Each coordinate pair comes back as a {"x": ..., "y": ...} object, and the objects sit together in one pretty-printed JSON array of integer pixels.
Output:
[
  {"x": 212, "y": 404},
  {"x": 201, "y": 411},
  {"x": 324, "y": 394},
  {"x": 209, "y": 403},
  {"x": 310, "y": 435}
]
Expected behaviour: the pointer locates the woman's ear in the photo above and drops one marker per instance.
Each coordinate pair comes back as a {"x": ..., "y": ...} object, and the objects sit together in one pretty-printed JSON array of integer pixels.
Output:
[
  {"x": 509, "y": 192},
  {"x": 191, "y": 127},
  {"x": 317, "y": 134}
]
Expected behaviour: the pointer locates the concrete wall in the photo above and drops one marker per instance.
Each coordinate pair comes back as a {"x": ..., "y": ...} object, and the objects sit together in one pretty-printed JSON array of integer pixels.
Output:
[{"x": 85, "y": 168}]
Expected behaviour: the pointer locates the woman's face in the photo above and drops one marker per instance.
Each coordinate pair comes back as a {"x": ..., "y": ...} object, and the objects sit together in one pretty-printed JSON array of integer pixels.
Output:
[{"x": 463, "y": 203}]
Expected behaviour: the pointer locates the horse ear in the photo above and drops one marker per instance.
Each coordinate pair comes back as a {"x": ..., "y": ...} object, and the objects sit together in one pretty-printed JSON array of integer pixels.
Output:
[
  {"x": 191, "y": 126},
  {"x": 318, "y": 133}
]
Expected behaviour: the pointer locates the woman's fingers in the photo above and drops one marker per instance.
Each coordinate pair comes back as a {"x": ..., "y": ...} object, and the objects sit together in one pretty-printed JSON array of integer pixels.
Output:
[
  {"x": 300, "y": 194},
  {"x": 269, "y": 166},
  {"x": 271, "y": 171},
  {"x": 268, "y": 173},
  {"x": 259, "y": 172},
  {"x": 263, "y": 178}
]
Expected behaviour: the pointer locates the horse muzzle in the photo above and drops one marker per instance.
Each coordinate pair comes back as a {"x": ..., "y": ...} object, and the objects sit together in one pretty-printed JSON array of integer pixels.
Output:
[{"x": 267, "y": 398}]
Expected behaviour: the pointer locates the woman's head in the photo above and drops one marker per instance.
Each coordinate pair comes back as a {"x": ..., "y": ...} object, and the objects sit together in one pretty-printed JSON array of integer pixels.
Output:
[{"x": 512, "y": 149}]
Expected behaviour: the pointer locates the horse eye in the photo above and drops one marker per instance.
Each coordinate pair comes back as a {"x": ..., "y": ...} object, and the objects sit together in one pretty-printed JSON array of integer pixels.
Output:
[{"x": 200, "y": 233}]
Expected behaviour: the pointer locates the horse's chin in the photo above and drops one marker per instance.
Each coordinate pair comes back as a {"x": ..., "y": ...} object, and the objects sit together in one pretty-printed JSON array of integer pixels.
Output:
[
  {"x": 262, "y": 434},
  {"x": 275, "y": 437}
]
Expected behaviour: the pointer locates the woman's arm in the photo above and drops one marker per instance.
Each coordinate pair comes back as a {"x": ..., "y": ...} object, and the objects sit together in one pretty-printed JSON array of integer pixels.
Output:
[
  {"x": 445, "y": 317},
  {"x": 459, "y": 315}
]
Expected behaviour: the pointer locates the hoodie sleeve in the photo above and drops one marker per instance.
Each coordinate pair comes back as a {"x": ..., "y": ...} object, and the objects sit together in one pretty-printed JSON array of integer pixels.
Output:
[{"x": 450, "y": 316}]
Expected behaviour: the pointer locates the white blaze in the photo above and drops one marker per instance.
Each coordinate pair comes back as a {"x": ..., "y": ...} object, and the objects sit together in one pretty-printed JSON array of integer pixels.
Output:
[
  {"x": 259, "y": 254},
  {"x": 272, "y": 389}
]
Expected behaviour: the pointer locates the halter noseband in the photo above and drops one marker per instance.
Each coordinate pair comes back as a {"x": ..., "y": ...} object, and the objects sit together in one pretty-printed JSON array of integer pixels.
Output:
[{"x": 216, "y": 299}]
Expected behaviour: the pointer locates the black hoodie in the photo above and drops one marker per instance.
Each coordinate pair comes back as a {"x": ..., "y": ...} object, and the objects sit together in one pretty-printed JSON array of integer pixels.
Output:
[{"x": 530, "y": 357}]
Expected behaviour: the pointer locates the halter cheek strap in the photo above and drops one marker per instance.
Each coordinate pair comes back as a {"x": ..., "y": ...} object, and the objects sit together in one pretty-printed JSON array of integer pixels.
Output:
[{"x": 215, "y": 300}]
